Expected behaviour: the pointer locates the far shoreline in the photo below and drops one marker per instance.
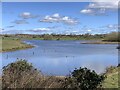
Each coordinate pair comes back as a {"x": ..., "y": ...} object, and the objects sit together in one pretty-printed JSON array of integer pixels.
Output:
[{"x": 100, "y": 42}]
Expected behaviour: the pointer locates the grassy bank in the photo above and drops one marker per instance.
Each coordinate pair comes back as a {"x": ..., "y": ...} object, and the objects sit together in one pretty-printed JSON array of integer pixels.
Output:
[
  {"x": 12, "y": 44},
  {"x": 112, "y": 80}
]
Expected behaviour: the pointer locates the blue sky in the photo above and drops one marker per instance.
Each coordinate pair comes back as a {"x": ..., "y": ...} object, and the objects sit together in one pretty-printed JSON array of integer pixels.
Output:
[{"x": 59, "y": 17}]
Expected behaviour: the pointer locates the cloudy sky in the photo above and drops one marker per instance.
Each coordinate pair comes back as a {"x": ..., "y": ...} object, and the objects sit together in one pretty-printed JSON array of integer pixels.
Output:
[{"x": 59, "y": 17}]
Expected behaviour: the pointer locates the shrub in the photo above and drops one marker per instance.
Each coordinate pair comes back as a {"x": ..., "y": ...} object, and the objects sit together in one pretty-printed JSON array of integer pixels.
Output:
[
  {"x": 83, "y": 79},
  {"x": 14, "y": 71},
  {"x": 22, "y": 74}
]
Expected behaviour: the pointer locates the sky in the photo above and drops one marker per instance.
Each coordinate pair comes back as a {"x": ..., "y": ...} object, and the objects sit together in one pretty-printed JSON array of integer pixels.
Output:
[{"x": 59, "y": 17}]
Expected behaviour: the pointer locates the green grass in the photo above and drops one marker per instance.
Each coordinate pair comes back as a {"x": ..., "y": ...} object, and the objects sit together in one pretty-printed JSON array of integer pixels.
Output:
[
  {"x": 10, "y": 44},
  {"x": 112, "y": 78}
]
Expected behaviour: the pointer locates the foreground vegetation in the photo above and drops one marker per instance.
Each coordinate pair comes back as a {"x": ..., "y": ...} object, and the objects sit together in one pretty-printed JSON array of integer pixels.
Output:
[{"x": 22, "y": 74}]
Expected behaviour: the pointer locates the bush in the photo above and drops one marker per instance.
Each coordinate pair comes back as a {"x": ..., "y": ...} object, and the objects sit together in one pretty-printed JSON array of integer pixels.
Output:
[
  {"x": 83, "y": 79},
  {"x": 22, "y": 74},
  {"x": 14, "y": 71}
]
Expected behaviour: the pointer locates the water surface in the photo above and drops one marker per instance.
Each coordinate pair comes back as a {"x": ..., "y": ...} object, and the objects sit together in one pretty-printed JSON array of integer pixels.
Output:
[{"x": 61, "y": 57}]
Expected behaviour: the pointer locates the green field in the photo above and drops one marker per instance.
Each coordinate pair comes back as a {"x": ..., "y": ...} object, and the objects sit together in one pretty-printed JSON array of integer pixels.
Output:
[{"x": 11, "y": 44}]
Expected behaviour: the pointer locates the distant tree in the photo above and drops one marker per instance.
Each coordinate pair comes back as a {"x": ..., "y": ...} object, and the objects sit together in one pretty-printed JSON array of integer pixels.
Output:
[
  {"x": 6, "y": 35},
  {"x": 113, "y": 36},
  {"x": 84, "y": 79},
  {"x": 47, "y": 37}
]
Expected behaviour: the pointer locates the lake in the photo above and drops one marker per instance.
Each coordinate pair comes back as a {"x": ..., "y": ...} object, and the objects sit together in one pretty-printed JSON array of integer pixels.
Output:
[{"x": 61, "y": 57}]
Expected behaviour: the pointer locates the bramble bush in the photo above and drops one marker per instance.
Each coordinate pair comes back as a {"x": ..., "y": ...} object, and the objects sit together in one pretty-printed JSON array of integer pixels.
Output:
[
  {"x": 22, "y": 74},
  {"x": 84, "y": 79}
]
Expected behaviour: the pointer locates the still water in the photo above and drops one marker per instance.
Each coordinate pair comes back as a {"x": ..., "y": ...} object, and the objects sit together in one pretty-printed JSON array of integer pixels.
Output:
[{"x": 61, "y": 57}]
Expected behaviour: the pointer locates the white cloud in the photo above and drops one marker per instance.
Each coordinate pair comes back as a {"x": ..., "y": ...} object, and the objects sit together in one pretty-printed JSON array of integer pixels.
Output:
[
  {"x": 56, "y": 15},
  {"x": 100, "y": 7},
  {"x": 89, "y": 30},
  {"x": 87, "y": 11},
  {"x": 59, "y": 19},
  {"x": 105, "y": 5},
  {"x": 27, "y": 15},
  {"x": 68, "y": 20},
  {"x": 113, "y": 26},
  {"x": 75, "y": 31},
  {"x": 50, "y": 19},
  {"x": 40, "y": 29},
  {"x": 65, "y": 18}
]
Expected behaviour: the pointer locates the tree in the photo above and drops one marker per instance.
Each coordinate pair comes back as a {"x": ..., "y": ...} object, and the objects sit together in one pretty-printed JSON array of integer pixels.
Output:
[
  {"x": 113, "y": 37},
  {"x": 84, "y": 79}
]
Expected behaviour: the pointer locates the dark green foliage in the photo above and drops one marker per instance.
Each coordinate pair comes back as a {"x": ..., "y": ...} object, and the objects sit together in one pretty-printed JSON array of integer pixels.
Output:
[
  {"x": 84, "y": 79},
  {"x": 6, "y": 35}
]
